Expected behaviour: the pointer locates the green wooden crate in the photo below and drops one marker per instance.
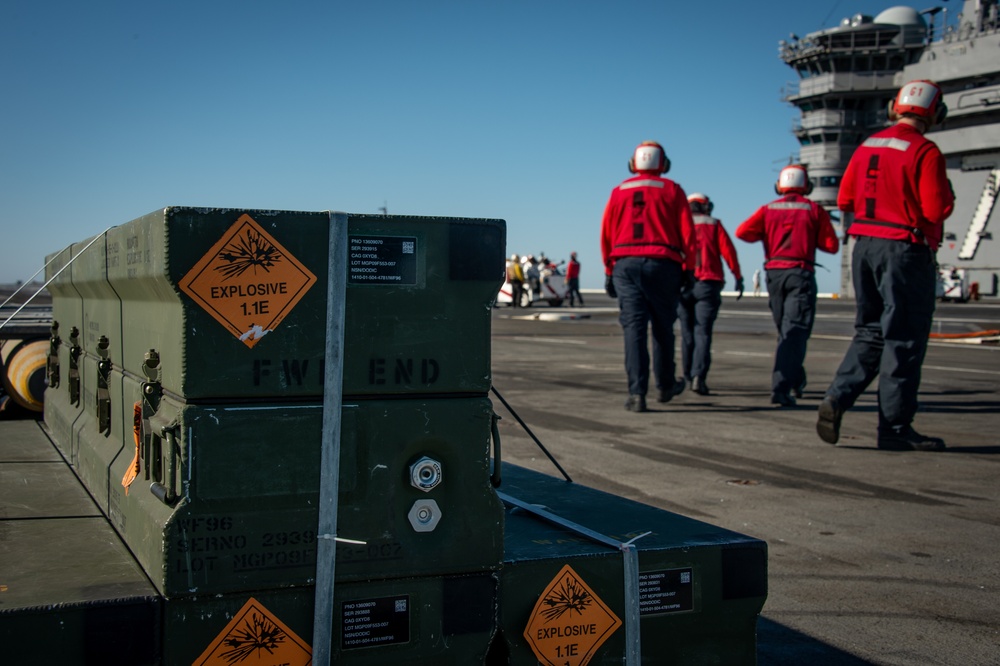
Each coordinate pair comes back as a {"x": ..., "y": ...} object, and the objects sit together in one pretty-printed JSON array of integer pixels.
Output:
[
  {"x": 700, "y": 587},
  {"x": 235, "y": 301}
]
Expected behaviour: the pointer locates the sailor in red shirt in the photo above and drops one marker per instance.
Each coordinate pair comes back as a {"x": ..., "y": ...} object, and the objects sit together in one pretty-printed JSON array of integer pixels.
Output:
[
  {"x": 573, "y": 280},
  {"x": 792, "y": 228},
  {"x": 897, "y": 189},
  {"x": 647, "y": 243},
  {"x": 699, "y": 304}
]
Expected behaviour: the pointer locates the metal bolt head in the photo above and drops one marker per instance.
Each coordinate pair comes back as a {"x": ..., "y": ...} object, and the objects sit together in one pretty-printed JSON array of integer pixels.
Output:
[
  {"x": 424, "y": 515},
  {"x": 425, "y": 474}
]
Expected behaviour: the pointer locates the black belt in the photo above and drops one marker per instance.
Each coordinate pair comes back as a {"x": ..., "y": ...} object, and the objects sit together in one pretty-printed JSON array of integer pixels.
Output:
[
  {"x": 806, "y": 261},
  {"x": 666, "y": 245},
  {"x": 917, "y": 233}
]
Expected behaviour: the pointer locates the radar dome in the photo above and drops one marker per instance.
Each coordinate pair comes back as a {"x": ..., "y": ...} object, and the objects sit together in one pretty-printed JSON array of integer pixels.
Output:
[{"x": 903, "y": 16}]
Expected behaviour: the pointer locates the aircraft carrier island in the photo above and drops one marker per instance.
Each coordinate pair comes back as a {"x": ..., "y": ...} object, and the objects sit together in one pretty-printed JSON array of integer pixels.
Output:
[{"x": 847, "y": 76}]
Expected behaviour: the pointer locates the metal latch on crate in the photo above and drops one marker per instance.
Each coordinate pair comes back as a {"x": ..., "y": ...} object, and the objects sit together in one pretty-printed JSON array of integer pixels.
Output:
[
  {"x": 52, "y": 362},
  {"x": 75, "y": 350},
  {"x": 103, "y": 395}
]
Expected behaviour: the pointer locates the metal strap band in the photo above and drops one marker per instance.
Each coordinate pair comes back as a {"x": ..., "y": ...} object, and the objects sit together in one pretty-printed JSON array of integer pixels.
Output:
[
  {"x": 329, "y": 473},
  {"x": 93, "y": 240}
]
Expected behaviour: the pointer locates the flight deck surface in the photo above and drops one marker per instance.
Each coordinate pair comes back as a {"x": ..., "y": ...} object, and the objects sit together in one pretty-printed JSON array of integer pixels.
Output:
[{"x": 874, "y": 557}]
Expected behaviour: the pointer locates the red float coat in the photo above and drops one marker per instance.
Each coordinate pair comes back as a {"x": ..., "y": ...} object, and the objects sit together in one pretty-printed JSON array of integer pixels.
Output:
[
  {"x": 713, "y": 246},
  {"x": 572, "y": 269},
  {"x": 648, "y": 216},
  {"x": 792, "y": 229},
  {"x": 897, "y": 187}
]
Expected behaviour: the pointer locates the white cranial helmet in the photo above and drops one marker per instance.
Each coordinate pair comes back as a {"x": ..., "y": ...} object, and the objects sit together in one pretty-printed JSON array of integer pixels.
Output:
[
  {"x": 793, "y": 178},
  {"x": 919, "y": 98},
  {"x": 649, "y": 156}
]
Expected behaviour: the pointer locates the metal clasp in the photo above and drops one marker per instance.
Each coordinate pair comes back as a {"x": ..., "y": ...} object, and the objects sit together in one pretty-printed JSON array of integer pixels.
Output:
[
  {"x": 165, "y": 453},
  {"x": 52, "y": 361},
  {"x": 103, "y": 382},
  {"x": 75, "y": 350},
  {"x": 152, "y": 391}
]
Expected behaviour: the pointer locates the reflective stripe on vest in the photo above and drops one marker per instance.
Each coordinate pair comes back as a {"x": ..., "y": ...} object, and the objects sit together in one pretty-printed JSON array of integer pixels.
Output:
[
  {"x": 886, "y": 142},
  {"x": 789, "y": 205},
  {"x": 640, "y": 183}
]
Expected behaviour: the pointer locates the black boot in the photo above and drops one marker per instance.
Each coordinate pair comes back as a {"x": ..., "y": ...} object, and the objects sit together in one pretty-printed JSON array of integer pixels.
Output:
[
  {"x": 908, "y": 439},
  {"x": 828, "y": 420}
]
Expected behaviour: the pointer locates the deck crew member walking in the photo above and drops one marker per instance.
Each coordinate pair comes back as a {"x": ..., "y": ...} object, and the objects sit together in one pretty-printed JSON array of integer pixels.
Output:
[
  {"x": 515, "y": 276},
  {"x": 573, "y": 280},
  {"x": 699, "y": 304},
  {"x": 647, "y": 236},
  {"x": 897, "y": 188},
  {"x": 792, "y": 228}
]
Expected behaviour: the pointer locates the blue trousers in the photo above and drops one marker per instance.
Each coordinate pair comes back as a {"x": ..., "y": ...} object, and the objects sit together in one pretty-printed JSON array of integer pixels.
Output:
[
  {"x": 573, "y": 287},
  {"x": 792, "y": 299},
  {"x": 697, "y": 311},
  {"x": 647, "y": 295},
  {"x": 894, "y": 284}
]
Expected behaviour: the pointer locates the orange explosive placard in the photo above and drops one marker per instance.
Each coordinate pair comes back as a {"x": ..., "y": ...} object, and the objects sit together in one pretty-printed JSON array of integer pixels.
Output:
[
  {"x": 255, "y": 637},
  {"x": 248, "y": 281},
  {"x": 569, "y": 622}
]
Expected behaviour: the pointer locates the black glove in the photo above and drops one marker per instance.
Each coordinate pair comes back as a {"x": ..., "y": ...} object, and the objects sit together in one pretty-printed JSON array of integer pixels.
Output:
[
  {"x": 609, "y": 287},
  {"x": 739, "y": 288},
  {"x": 687, "y": 281}
]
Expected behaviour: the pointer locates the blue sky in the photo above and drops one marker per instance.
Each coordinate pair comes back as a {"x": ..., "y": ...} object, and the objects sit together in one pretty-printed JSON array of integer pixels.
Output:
[{"x": 522, "y": 110}]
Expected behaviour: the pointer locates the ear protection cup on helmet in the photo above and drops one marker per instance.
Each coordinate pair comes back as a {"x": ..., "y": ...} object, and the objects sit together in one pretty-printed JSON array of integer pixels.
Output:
[
  {"x": 664, "y": 168},
  {"x": 807, "y": 192},
  {"x": 891, "y": 111},
  {"x": 940, "y": 112}
]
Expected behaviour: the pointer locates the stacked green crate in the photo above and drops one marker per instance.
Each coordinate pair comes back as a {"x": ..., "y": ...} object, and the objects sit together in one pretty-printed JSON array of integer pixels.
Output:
[
  {"x": 699, "y": 588},
  {"x": 214, "y": 322}
]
